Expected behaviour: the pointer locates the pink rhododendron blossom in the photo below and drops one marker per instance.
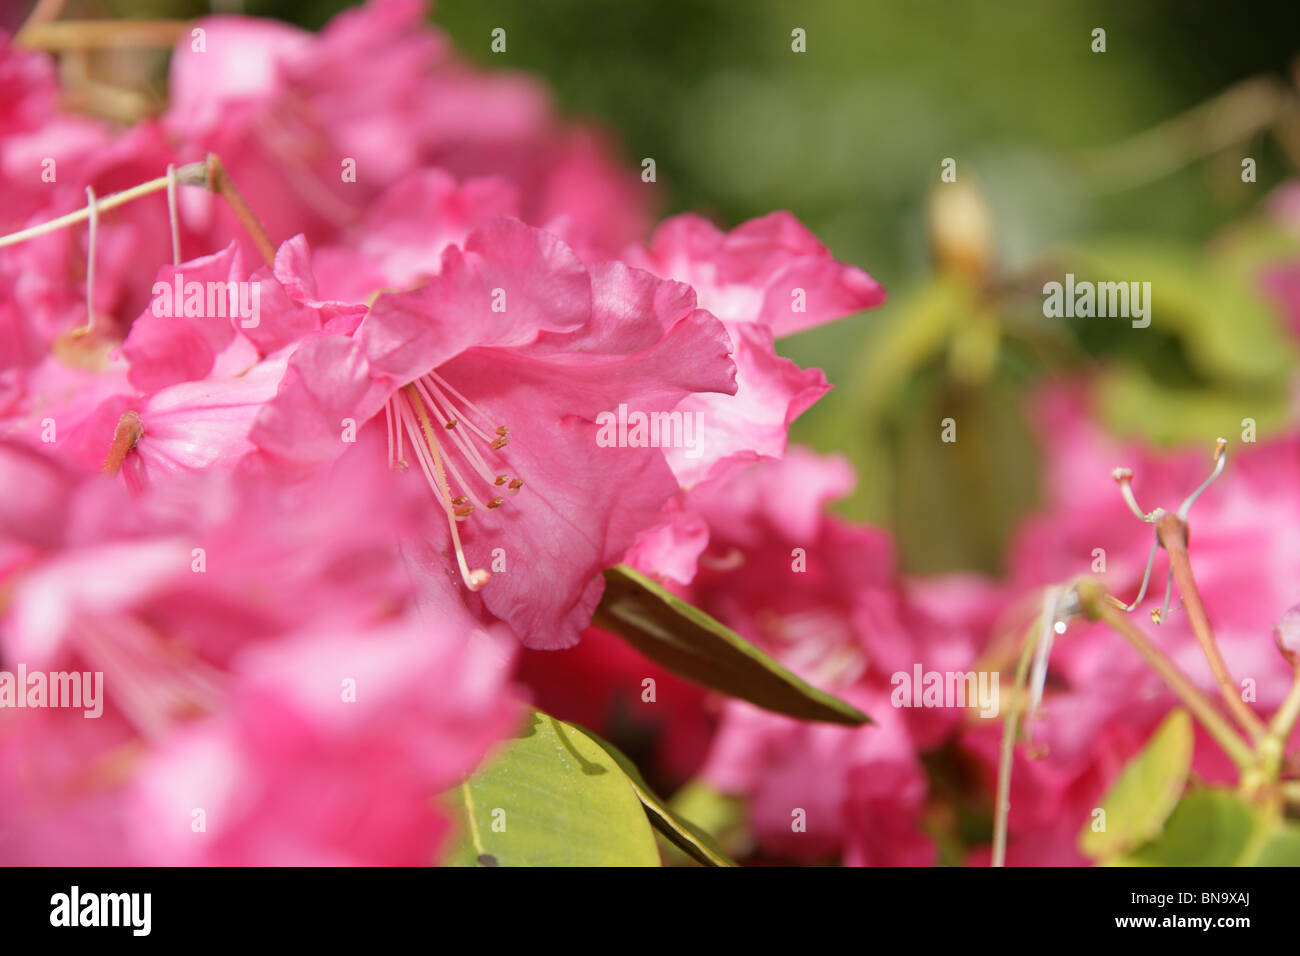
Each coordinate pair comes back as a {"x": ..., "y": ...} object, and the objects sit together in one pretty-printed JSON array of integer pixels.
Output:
[
  {"x": 858, "y": 794},
  {"x": 771, "y": 271},
  {"x": 313, "y": 128},
  {"x": 37, "y": 139},
  {"x": 767, "y": 278},
  {"x": 401, "y": 238},
  {"x": 824, "y": 598},
  {"x": 185, "y": 389},
  {"x": 293, "y": 771},
  {"x": 513, "y": 328},
  {"x": 251, "y": 647}
]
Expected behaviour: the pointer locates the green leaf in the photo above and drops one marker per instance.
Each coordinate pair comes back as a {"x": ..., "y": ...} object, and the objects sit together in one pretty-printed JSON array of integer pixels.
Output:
[
  {"x": 684, "y": 639},
  {"x": 1282, "y": 848},
  {"x": 1229, "y": 332},
  {"x": 691, "y": 840},
  {"x": 553, "y": 798},
  {"x": 1145, "y": 794},
  {"x": 1131, "y": 402},
  {"x": 1214, "y": 827}
]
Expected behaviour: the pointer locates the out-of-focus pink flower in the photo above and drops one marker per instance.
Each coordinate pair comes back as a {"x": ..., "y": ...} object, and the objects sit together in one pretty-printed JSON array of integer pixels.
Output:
[
  {"x": 30, "y": 86},
  {"x": 41, "y": 148},
  {"x": 400, "y": 240},
  {"x": 824, "y": 598},
  {"x": 821, "y": 594},
  {"x": 184, "y": 391},
  {"x": 255, "y": 641},
  {"x": 330, "y": 750},
  {"x": 818, "y": 792},
  {"x": 514, "y": 329},
  {"x": 313, "y": 128}
]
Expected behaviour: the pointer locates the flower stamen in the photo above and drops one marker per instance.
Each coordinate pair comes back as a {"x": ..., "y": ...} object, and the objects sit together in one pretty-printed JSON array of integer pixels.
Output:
[{"x": 414, "y": 409}]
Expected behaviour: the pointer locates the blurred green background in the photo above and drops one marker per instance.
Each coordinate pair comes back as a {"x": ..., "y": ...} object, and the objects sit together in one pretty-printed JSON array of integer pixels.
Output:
[{"x": 1055, "y": 139}]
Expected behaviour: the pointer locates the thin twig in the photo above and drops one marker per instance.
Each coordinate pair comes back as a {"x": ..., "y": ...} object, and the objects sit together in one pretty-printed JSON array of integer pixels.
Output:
[
  {"x": 1232, "y": 116},
  {"x": 210, "y": 174},
  {"x": 191, "y": 174},
  {"x": 219, "y": 181}
]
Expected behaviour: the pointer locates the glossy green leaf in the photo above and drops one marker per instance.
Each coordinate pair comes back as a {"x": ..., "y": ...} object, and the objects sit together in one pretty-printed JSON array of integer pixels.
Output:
[
  {"x": 688, "y": 838},
  {"x": 553, "y": 797},
  {"x": 1215, "y": 827},
  {"x": 1282, "y": 848},
  {"x": 1146, "y": 793},
  {"x": 684, "y": 639}
]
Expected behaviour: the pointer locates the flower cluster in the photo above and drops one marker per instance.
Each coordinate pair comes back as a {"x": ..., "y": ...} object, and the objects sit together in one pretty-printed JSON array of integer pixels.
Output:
[
  {"x": 293, "y": 464},
  {"x": 334, "y": 396}
]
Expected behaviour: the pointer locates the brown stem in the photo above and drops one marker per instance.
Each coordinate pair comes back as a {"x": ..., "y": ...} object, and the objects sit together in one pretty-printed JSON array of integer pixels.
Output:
[
  {"x": 45, "y": 11},
  {"x": 1233, "y": 116},
  {"x": 1092, "y": 600},
  {"x": 219, "y": 182},
  {"x": 1172, "y": 533},
  {"x": 100, "y": 34}
]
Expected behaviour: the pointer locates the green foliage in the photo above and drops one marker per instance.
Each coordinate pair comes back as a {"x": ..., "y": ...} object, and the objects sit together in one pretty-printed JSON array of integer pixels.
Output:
[
  {"x": 691, "y": 840},
  {"x": 1145, "y": 794},
  {"x": 684, "y": 639},
  {"x": 1214, "y": 827},
  {"x": 553, "y": 797}
]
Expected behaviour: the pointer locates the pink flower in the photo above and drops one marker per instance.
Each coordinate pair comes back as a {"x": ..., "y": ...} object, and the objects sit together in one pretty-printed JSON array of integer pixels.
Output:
[
  {"x": 195, "y": 376},
  {"x": 400, "y": 240},
  {"x": 313, "y": 128},
  {"x": 331, "y": 750},
  {"x": 825, "y": 599},
  {"x": 30, "y": 86},
  {"x": 34, "y": 134},
  {"x": 771, "y": 271},
  {"x": 821, "y": 594},
  {"x": 515, "y": 329},
  {"x": 766, "y": 278},
  {"x": 818, "y": 792},
  {"x": 257, "y": 643}
]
